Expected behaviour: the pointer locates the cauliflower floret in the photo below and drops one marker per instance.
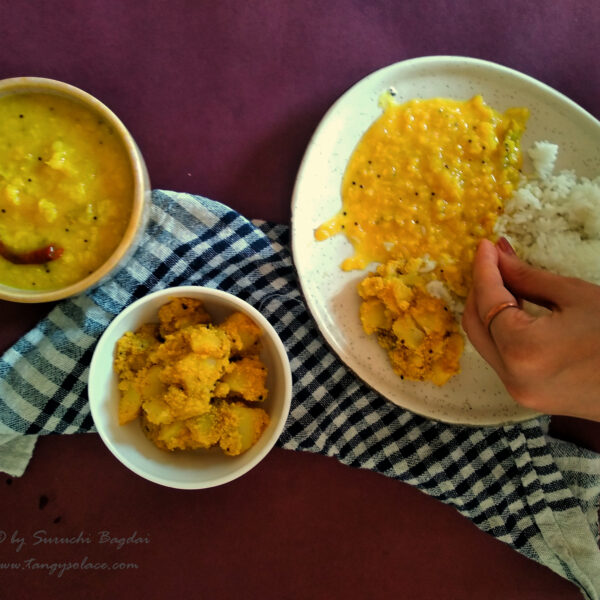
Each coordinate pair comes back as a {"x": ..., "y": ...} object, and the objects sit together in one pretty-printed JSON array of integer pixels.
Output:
[
  {"x": 180, "y": 313},
  {"x": 205, "y": 429},
  {"x": 133, "y": 350}
]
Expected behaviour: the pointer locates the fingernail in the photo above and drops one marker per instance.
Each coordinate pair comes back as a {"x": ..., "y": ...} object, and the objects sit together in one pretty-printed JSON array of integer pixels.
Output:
[{"x": 504, "y": 246}]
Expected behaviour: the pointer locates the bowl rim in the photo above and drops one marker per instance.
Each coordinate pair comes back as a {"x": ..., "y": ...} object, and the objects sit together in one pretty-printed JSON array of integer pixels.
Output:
[
  {"x": 141, "y": 186},
  {"x": 231, "y": 302}
]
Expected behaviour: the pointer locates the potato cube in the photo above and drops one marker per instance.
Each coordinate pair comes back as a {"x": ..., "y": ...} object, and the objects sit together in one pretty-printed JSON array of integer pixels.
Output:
[
  {"x": 374, "y": 316},
  {"x": 242, "y": 426},
  {"x": 130, "y": 402},
  {"x": 247, "y": 379},
  {"x": 243, "y": 332},
  {"x": 407, "y": 332}
]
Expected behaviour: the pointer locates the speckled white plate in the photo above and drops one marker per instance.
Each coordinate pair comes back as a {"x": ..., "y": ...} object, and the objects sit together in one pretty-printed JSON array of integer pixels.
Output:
[{"x": 475, "y": 396}]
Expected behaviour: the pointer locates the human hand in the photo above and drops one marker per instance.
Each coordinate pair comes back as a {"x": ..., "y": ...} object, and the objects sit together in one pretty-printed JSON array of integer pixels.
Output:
[{"x": 549, "y": 363}]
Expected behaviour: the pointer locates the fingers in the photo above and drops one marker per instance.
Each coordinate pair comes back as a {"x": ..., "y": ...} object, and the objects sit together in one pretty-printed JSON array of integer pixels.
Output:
[
  {"x": 488, "y": 291},
  {"x": 492, "y": 327},
  {"x": 488, "y": 284},
  {"x": 536, "y": 285}
]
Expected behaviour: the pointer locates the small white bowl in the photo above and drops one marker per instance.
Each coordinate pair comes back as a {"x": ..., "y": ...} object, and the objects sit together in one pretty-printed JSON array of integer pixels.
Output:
[
  {"x": 184, "y": 469},
  {"x": 140, "y": 194}
]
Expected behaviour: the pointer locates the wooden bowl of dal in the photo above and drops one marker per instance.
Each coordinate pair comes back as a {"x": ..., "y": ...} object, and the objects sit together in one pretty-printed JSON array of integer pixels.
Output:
[{"x": 74, "y": 191}]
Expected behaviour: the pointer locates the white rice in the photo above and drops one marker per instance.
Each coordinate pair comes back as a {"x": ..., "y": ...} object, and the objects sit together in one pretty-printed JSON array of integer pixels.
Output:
[
  {"x": 438, "y": 289},
  {"x": 553, "y": 221}
]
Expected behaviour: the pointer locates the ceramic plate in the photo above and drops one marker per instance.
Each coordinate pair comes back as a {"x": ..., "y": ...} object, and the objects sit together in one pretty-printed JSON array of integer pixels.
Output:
[{"x": 475, "y": 396}]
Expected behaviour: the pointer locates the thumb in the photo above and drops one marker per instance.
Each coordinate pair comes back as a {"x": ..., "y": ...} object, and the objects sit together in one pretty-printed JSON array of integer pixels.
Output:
[{"x": 528, "y": 283}]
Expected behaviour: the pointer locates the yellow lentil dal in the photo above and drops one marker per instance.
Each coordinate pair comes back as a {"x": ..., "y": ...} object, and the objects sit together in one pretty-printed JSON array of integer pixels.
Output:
[
  {"x": 428, "y": 178},
  {"x": 65, "y": 181}
]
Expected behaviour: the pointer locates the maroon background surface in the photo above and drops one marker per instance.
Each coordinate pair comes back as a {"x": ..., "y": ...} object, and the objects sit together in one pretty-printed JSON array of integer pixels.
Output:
[{"x": 222, "y": 98}]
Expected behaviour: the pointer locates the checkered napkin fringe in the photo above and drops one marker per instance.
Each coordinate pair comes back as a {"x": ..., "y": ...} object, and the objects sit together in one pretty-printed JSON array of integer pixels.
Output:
[{"x": 537, "y": 494}]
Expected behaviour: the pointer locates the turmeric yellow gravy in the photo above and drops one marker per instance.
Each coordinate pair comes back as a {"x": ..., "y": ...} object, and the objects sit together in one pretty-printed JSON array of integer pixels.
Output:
[
  {"x": 65, "y": 181},
  {"x": 427, "y": 180}
]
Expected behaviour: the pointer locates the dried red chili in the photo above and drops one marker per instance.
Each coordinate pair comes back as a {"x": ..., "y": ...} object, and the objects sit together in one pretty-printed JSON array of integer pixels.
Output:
[{"x": 39, "y": 256}]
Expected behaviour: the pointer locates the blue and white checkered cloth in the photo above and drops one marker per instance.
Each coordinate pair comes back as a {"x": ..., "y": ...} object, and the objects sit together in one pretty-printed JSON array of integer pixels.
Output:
[{"x": 514, "y": 482}]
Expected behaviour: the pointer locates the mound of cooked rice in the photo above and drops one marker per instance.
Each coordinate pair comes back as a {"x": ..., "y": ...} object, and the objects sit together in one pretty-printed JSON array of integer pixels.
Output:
[{"x": 553, "y": 221}]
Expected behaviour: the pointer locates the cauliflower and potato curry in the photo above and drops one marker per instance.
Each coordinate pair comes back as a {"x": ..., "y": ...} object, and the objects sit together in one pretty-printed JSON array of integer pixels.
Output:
[
  {"x": 427, "y": 181},
  {"x": 194, "y": 384}
]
